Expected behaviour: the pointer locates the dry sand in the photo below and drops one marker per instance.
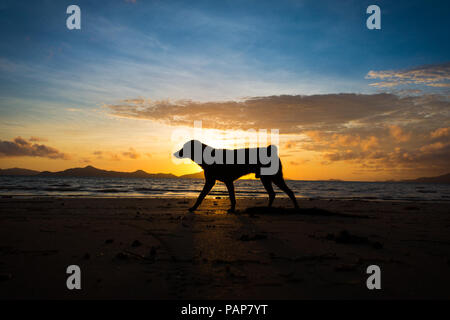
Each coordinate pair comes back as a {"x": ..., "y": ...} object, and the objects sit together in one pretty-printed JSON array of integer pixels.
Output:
[{"x": 156, "y": 249}]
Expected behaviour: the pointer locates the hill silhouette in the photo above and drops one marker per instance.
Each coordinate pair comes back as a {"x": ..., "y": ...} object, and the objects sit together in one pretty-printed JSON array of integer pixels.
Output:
[
  {"x": 197, "y": 175},
  {"x": 90, "y": 171},
  {"x": 18, "y": 172},
  {"x": 445, "y": 178}
]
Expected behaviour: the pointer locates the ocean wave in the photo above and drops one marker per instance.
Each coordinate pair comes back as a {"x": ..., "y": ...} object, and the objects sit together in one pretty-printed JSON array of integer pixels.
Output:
[{"x": 66, "y": 186}]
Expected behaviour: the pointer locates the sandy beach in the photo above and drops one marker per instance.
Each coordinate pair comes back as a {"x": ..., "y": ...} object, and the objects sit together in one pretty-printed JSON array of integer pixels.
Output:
[{"x": 142, "y": 248}]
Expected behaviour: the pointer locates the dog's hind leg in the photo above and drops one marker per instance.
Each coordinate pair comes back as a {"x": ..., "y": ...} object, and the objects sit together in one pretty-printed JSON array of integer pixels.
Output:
[
  {"x": 279, "y": 181},
  {"x": 267, "y": 183},
  {"x": 230, "y": 187},
  {"x": 208, "y": 186}
]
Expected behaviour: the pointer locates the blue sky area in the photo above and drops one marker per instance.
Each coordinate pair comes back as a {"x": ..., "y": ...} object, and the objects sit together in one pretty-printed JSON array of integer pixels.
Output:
[{"x": 207, "y": 50}]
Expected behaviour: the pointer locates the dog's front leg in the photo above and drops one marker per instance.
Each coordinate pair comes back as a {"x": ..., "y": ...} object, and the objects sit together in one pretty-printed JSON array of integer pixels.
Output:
[
  {"x": 230, "y": 187},
  {"x": 208, "y": 186}
]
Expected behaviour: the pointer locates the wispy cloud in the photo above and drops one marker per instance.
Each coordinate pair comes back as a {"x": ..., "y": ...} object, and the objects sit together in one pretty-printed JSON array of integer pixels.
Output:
[
  {"x": 290, "y": 114},
  {"x": 437, "y": 75},
  {"x": 37, "y": 139},
  {"x": 131, "y": 153}
]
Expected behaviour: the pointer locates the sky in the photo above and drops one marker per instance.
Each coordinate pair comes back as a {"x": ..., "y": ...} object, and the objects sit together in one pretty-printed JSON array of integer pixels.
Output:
[{"x": 349, "y": 103}]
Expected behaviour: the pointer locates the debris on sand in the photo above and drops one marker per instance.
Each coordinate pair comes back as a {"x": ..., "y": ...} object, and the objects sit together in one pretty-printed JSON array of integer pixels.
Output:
[
  {"x": 5, "y": 276},
  {"x": 238, "y": 262},
  {"x": 235, "y": 273},
  {"x": 346, "y": 268},
  {"x": 290, "y": 277},
  {"x": 317, "y": 212},
  {"x": 306, "y": 258},
  {"x": 345, "y": 237},
  {"x": 122, "y": 256},
  {"x": 136, "y": 243},
  {"x": 377, "y": 245},
  {"x": 258, "y": 236}
]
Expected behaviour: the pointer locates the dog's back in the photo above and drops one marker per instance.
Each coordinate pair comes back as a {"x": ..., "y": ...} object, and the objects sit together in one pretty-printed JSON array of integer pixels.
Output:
[{"x": 235, "y": 163}]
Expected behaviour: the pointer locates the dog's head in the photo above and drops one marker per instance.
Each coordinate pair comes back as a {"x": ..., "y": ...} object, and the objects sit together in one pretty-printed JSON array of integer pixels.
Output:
[{"x": 190, "y": 149}]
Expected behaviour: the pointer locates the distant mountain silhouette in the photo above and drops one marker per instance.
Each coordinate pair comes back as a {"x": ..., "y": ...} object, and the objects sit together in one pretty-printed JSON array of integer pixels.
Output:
[
  {"x": 18, "y": 172},
  {"x": 91, "y": 171},
  {"x": 439, "y": 179},
  {"x": 197, "y": 175}
]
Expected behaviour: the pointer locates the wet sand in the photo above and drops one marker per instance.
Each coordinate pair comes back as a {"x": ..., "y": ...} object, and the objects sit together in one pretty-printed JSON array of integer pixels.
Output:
[{"x": 130, "y": 248}]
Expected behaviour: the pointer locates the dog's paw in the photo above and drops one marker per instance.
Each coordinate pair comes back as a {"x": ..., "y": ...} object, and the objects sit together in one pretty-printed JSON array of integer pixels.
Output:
[
  {"x": 192, "y": 209},
  {"x": 231, "y": 210}
]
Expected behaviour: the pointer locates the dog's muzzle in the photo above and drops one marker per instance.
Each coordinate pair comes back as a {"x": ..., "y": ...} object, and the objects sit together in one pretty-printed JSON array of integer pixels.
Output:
[{"x": 179, "y": 154}]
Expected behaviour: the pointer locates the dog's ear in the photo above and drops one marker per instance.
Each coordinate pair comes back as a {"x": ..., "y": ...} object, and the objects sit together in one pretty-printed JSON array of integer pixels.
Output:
[
  {"x": 192, "y": 149},
  {"x": 272, "y": 149}
]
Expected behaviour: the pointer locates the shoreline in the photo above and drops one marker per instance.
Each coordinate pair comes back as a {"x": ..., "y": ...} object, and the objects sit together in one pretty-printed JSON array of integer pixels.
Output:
[{"x": 280, "y": 195}]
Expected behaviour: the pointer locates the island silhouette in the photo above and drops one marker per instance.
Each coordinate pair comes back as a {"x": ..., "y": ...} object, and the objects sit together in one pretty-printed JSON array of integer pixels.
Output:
[{"x": 90, "y": 171}]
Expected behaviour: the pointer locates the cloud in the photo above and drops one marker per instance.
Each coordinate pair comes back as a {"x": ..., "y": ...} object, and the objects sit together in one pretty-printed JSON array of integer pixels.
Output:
[
  {"x": 440, "y": 133},
  {"x": 291, "y": 144},
  {"x": 37, "y": 139},
  {"x": 20, "y": 147},
  {"x": 342, "y": 155},
  {"x": 437, "y": 75},
  {"x": 364, "y": 130},
  {"x": 345, "y": 140},
  {"x": 299, "y": 162},
  {"x": 290, "y": 114},
  {"x": 436, "y": 146},
  {"x": 112, "y": 156},
  {"x": 376, "y": 148},
  {"x": 398, "y": 134},
  {"x": 419, "y": 153},
  {"x": 131, "y": 153},
  {"x": 370, "y": 143},
  {"x": 98, "y": 153}
]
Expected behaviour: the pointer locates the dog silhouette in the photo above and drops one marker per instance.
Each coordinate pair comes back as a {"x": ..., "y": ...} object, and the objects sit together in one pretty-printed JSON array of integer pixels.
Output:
[{"x": 227, "y": 165}]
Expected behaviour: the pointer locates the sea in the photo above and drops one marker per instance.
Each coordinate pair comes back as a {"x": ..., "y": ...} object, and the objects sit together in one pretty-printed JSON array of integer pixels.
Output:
[{"x": 29, "y": 186}]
